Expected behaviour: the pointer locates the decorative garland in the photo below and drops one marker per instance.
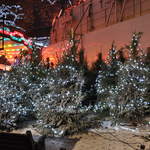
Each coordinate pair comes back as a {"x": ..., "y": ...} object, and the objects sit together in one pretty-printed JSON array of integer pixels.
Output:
[{"x": 16, "y": 36}]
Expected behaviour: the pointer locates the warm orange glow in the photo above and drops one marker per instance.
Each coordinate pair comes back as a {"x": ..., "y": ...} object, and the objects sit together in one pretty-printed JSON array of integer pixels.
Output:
[
  {"x": 5, "y": 67},
  {"x": 52, "y": 53},
  {"x": 11, "y": 49},
  {"x": 55, "y": 52}
]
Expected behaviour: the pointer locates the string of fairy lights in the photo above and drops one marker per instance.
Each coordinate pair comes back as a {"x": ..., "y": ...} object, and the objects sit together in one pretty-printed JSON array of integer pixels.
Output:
[
  {"x": 14, "y": 41},
  {"x": 10, "y": 14},
  {"x": 129, "y": 90},
  {"x": 37, "y": 91},
  {"x": 52, "y": 2}
]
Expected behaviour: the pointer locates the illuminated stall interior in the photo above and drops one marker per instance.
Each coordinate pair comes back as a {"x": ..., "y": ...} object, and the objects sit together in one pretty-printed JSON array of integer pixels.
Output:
[
  {"x": 11, "y": 49},
  {"x": 11, "y": 44}
]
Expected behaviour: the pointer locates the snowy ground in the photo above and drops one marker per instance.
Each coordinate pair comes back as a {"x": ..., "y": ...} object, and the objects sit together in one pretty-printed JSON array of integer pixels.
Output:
[{"x": 110, "y": 138}]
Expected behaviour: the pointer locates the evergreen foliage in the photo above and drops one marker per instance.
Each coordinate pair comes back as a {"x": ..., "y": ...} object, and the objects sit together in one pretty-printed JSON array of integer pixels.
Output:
[
  {"x": 60, "y": 98},
  {"x": 133, "y": 82},
  {"x": 15, "y": 97},
  {"x": 106, "y": 80},
  {"x": 65, "y": 92},
  {"x": 18, "y": 87},
  {"x": 124, "y": 86}
]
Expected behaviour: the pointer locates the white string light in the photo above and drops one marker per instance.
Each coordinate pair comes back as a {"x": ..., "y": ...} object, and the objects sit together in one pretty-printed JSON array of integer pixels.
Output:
[{"x": 10, "y": 14}]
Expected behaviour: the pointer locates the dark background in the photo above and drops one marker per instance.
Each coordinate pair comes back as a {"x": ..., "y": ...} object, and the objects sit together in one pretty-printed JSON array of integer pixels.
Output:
[{"x": 37, "y": 15}]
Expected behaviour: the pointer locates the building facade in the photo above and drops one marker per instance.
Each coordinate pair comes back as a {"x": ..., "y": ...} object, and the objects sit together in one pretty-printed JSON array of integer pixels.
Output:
[{"x": 97, "y": 23}]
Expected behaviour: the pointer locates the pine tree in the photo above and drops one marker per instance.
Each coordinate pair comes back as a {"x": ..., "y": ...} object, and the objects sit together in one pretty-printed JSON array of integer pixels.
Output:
[
  {"x": 134, "y": 45},
  {"x": 16, "y": 104},
  {"x": 59, "y": 107},
  {"x": 82, "y": 61},
  {"x": 99, "y": 64},
  {"x": 133, "y": 82},
  {"x": 121, "y": 56},
  {"x": 106, "y": 83},
  {"x": 19, "y": 88},
  {"x": 106, "y": 80}
]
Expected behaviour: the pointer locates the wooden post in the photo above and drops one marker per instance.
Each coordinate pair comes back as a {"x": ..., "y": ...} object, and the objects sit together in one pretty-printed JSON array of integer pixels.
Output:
[
  {"x": 140, "y": 4},
  {"x": 29, "y": 134},
  {"x": 133, "y": 8},
  {"x": 122, "y": 10},
  {"x": 116, "y": 19},
  {"x": 112, "y": 4},
  {"x": 105, "y": 12}
]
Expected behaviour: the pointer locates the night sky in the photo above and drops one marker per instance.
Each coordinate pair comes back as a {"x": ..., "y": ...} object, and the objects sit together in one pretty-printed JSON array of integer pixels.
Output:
[{"x": 37, "y": 15}]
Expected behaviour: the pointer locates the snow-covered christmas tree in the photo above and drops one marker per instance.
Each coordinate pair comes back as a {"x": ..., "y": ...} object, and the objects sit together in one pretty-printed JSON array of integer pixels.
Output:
[
  {"x": 107, "y": 77},
  {"x": 18, "y": 89},
  {"x": 59, "y": 108},
  {"x": 131, "y": 93}
]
